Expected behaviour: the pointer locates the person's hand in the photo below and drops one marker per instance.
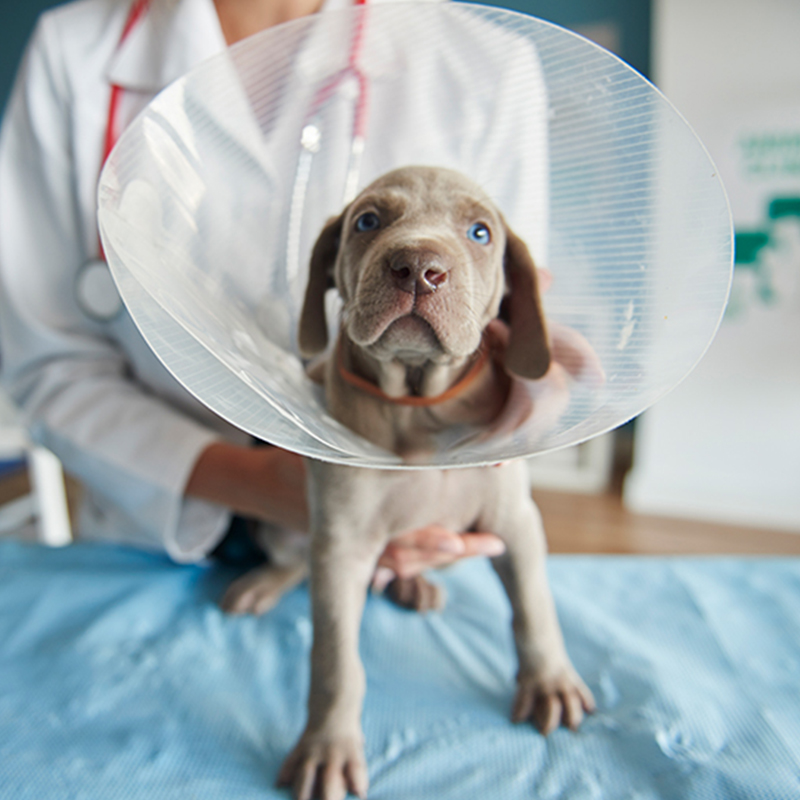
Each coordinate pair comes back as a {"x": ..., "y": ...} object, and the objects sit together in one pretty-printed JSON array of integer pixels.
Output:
[
  {"x": 269, "y": 484},
  {"x": 429, "y": 548},
  {"x": 263, "y": 483}
]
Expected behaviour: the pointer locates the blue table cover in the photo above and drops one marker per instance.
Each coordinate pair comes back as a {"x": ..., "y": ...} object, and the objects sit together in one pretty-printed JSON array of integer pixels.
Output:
[{"x": 121, "y": 678}]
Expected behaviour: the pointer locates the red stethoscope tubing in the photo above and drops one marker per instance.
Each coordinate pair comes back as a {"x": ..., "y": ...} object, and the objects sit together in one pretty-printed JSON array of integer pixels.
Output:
[
  {"x": 136, "y": 13},
  {"x": 352, "y": 68},
  {"x": 138, "y": 10}
]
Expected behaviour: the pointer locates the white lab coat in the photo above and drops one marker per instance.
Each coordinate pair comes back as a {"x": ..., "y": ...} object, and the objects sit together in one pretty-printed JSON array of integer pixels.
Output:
[{"x": 93, "y": 392}]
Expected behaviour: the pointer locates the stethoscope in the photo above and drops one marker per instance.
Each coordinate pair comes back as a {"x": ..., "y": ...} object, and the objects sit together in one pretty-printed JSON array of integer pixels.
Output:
[
  {"x": 95, "y": 291},
  {"x": 311, "y": 140}
]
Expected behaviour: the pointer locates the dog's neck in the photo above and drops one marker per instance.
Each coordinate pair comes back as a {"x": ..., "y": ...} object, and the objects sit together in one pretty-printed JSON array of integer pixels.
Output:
[
  {"x": 474, "y": 394},
  {"x": 398, "y": 379}
]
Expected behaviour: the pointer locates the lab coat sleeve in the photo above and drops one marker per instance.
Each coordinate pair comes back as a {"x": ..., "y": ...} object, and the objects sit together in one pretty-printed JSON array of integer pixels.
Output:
[{"x": 131, "y": 448}]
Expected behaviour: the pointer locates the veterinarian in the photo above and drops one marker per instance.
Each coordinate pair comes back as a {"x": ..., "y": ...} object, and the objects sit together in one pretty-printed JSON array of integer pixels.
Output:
[{"x": 158, "y": 469}]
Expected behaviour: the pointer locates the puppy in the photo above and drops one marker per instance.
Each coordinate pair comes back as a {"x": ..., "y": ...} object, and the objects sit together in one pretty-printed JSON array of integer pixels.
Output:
[{"x": 422, "y": 261}]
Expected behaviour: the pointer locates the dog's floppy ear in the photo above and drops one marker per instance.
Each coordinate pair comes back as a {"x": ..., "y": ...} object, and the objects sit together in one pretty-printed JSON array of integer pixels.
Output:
[
  {"x": 528, "y": 351},
  {"x": 313, "y": 333}
]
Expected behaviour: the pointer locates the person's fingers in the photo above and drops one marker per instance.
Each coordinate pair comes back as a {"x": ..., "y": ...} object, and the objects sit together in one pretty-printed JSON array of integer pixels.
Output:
[
  {"x": 433, "y": 547},
  {"x": 436, "y": 541},
  {"x": 406, "y": 562},
  {"x": 432, "y": 539},
  {"x": 544, "y": 278},
  {"x": 482, "y": 544},
  {"x": 382, "y": 578},
  {"x": 571, "y": 349}
]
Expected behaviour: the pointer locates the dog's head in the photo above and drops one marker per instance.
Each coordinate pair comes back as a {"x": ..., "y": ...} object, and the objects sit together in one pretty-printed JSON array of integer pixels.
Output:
[{"x": 422, "y": 260}]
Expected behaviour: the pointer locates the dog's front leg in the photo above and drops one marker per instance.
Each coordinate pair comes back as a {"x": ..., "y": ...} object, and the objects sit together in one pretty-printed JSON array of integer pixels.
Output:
[
  {"x": 329, "y": 758},
  {"x": 549, "y": 690}
]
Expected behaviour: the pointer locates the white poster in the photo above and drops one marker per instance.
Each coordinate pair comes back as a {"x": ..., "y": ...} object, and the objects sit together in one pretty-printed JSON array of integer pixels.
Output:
[{"x": 725, "y": 445}]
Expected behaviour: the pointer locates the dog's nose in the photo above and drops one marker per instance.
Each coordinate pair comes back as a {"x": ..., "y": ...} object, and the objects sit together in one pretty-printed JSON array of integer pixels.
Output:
[{"x": 417, "y": 271}]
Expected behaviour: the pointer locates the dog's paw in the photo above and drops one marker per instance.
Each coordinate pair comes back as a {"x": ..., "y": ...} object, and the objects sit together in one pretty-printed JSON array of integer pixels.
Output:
[
  {"x": 259, "y": 590},
  {"x": 549, "y": 701},
  {"x": 326, "y": 768},
  {"x": 416, "y": 594}
]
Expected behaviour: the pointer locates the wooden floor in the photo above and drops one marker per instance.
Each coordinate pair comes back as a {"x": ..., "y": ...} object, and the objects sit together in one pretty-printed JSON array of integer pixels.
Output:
[
  {"x": 600, "y": 524},
  {"x": 13, "y": 485},
  {"x": 578, "y": 523}
]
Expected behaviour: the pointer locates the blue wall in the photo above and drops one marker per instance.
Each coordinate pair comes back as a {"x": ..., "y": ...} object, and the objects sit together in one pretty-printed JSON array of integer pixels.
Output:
[
  {"x": 16, "y": 23},
  {"x": 632, "y": 18}
]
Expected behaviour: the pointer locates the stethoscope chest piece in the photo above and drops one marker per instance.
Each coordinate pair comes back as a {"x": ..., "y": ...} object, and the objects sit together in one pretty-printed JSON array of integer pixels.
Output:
[{"x": 96, "y": 292}]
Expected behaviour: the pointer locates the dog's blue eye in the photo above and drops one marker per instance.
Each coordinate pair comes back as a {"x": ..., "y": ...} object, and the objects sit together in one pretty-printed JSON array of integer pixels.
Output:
[
  {"x": 479, "y": 233},
  {"x": 368, "y": 222}
]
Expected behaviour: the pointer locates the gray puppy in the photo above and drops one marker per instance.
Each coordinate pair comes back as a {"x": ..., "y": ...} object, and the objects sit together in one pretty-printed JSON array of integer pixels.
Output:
[{"x": 422, "y": 260}]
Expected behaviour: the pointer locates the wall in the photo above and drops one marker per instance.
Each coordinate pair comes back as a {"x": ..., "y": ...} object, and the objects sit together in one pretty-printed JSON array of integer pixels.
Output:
[
  {"x": 18, "y": 20},
  {"x": 622, "y": 26},
  {"x": 726, "y": 444}
]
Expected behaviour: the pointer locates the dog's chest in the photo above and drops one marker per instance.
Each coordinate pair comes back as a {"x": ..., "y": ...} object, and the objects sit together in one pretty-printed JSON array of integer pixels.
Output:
[
  {"x": 397, "y": 501},
  {"x": 452, "y": 498}
]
